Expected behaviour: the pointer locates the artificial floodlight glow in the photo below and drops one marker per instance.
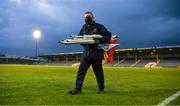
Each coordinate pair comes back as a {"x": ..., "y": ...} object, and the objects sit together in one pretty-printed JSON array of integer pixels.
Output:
[{"x": 37, "y": 34}]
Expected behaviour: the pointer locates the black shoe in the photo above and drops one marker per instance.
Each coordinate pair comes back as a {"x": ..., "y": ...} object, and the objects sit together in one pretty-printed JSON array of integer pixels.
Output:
[
  {"x": 100, "y": 91},
  {"x": 74, "y": 92}
]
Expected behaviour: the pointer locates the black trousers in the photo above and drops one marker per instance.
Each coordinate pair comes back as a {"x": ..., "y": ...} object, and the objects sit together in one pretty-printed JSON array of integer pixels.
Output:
[{"x": 98, "y": 71}]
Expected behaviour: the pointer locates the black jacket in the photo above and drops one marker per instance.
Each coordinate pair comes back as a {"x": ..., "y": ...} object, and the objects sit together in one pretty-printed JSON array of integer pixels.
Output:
[{"x": 91, "y": 51}]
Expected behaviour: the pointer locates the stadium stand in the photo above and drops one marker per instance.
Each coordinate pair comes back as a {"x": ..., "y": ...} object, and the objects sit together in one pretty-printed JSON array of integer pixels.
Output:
[
  {"x": 17, "y": 60},
  {"x": 168, "y": 56}
]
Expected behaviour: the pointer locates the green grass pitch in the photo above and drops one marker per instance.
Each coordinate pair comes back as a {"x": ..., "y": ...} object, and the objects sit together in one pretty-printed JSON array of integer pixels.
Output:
[{"x": 26, "y": 84}]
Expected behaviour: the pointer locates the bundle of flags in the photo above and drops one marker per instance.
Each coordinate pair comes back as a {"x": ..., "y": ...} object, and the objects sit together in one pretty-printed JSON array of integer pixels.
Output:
[{"x": 109, "y": 55}]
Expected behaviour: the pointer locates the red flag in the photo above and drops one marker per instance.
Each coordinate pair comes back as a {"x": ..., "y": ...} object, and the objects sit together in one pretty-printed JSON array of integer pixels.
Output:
[{"x": 110, "y": 53}]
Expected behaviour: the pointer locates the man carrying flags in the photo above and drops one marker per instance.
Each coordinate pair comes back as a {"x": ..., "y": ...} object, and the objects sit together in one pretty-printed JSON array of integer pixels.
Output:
[{"x": 92, "y": 54}]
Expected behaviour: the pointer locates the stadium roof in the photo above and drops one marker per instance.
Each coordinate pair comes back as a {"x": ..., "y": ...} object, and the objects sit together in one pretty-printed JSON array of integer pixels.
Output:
[{"x": 149, "y": 48}]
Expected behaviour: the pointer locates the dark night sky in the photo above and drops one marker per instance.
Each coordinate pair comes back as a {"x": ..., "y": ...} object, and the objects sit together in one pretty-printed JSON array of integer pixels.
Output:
[{"x": 139, "y": 23}]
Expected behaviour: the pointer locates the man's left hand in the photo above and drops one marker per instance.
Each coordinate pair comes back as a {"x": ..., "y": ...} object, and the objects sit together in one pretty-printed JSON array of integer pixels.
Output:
[{"x": 97, "y": 41}]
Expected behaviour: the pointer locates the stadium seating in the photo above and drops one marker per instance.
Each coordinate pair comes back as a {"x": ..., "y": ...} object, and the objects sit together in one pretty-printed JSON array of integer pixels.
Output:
[
  {"x": 144, "y": 62},
  {"x": 126, "y": 63},
  {"x": 169, "y": 63}
]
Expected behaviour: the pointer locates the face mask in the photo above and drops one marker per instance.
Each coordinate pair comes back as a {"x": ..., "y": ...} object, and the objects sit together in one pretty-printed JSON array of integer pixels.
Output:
[{"x": 88, "y": 21}]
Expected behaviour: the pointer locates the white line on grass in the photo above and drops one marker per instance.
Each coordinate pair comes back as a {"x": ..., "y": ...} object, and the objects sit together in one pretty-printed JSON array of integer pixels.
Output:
[{"x": 169, "y": 99}]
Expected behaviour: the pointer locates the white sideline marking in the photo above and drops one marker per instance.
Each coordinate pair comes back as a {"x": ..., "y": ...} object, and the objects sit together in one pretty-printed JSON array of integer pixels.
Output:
[{"x": 169, "y": 99}]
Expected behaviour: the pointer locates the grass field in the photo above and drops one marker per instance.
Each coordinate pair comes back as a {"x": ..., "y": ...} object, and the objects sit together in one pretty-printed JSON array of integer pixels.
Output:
[{"x": 23, "y": 84}]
